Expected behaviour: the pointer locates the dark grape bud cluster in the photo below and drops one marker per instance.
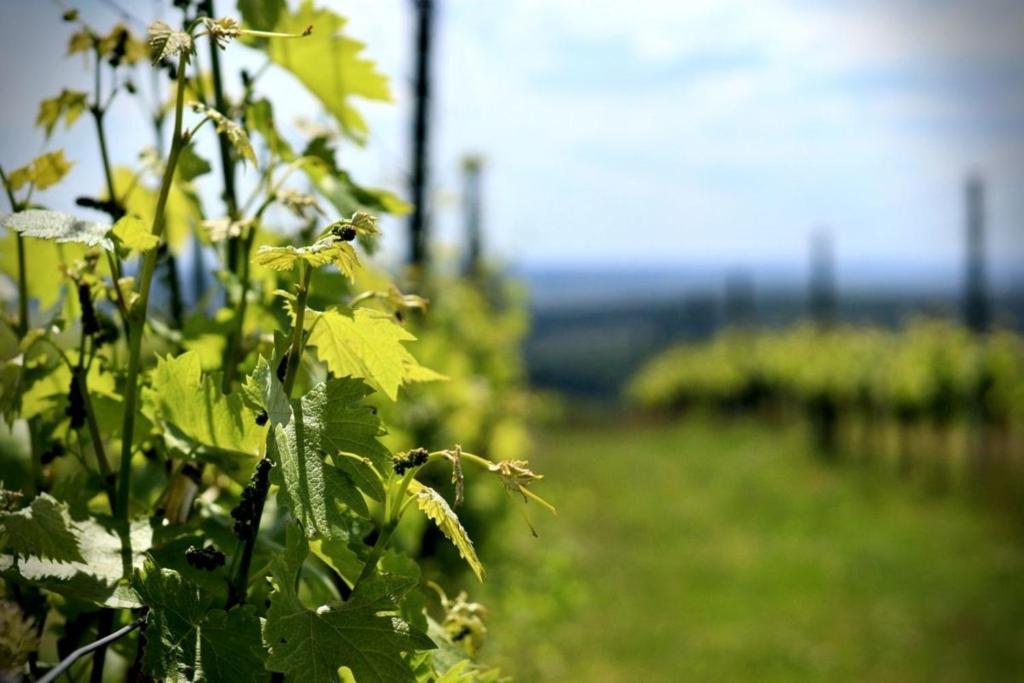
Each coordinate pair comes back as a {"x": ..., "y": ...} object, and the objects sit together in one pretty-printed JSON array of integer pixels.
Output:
[
  {"x": 345, "y": 233},
  {"x": 117, "y": 54},
  {"x": 55, "y": 450},
  {"x": 108, "y": 333},
  {"x": 207, "y": 559},
  {"x": 76, "y": 404},
  {"x": 406, "y": 461},
  {"x": 90, "y": 324},
  {"x": 247, "y": 513},
  {"x": 111, "y": 207},
  {"x": 262, "y": 418}
]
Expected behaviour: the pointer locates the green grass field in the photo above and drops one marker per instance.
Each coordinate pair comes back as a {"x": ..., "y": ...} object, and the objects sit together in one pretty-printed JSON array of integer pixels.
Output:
[{"x": 726, "y": 552}]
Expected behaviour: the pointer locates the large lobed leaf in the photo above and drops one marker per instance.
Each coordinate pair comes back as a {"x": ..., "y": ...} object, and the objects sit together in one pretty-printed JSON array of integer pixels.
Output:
[
  {"x": 328, "y": 63},
  {"x": 197, "y": 416},
  {"x": 101, "y": 572},
  {"x": 44, "y": 529},
  {"x": 367, "y": 344},
  {"x": 364, "y": 634},
  {"x": 330, "y": 418},
  {"x": 186, "y": 641}
]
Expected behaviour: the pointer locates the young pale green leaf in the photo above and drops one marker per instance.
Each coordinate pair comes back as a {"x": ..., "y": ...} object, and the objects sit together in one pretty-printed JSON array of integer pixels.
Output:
[
  {"x": 60, "y": 227},
  {"x": 186, "y": 641},
  {"x": 19, "y": 636},
  {"x": 263, "y": 390},
  {"x": 192, "y": 406},
  {"x": 69, "y": 103},
  {"x": 43, "y": 172},
  {"x": 191, "y": 165},
  {"x": 165, "y": 42},
  {"x": 44, "y": 529},
  {"x": 364, "y": 634},
  {"x": 100, "y": 576},
  {"x": 259, "y": 116},
  {"x": 437, "y": 509},
  {"x": 134, "y": 234},
  {"x": 318, "y": 59},
  {"x": 235, "y": 134},
  {"x": 367, "y": 344},
  {"x": 321, "y": 253}
]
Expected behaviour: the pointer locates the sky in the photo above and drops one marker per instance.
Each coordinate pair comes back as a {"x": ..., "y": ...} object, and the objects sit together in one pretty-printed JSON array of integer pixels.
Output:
[{"x": 655, "y": 133}]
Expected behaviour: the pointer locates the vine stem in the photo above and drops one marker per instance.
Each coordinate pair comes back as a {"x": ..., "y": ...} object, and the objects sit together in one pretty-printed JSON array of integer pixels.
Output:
[
  {"x": 66, "y": 663},
  {"x": 22, "y": 275},
  {"x": 295, "y": 355},
  {"x": 98, "y": 111},
  {"x": 137, "y": 313},
  {"x": 240, "y": 580}
]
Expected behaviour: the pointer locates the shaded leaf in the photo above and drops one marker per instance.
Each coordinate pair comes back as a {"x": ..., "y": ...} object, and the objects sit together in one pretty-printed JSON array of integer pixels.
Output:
[
  {"x": 43, "y": 529},
  {"x": 185, "y": 641},
  {"x": 102, "y": 575},
  {"x": 364, "y": 634}
]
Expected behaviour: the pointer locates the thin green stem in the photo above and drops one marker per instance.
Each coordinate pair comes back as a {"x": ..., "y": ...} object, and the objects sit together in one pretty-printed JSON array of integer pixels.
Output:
[
  {"x": 298, "y": 336},
  {"x": 234, "y": 346},
  {"x": 375, "y": 553},
  {"x": 137, "y": 315},
  {"x": 23, "y": 323}
]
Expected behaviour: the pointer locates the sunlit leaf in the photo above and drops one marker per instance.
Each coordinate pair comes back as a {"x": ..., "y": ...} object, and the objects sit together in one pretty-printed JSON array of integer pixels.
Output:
[
  {"x": 69, "y": 104},
  {"x": 367, "y": 344},
  {"x": 59, "y": 227},
  {"x": 329, "y": 63},
  {"x": 434, "y": 506},
  {"x": 134, "y": 234}
]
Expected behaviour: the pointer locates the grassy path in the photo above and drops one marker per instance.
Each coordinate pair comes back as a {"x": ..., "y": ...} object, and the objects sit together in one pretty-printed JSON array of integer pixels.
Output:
[{"x": 726, "y": 553}]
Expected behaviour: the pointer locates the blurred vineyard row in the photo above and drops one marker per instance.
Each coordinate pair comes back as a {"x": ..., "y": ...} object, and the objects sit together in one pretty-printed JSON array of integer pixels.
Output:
[{"x": 930, "y": 394}]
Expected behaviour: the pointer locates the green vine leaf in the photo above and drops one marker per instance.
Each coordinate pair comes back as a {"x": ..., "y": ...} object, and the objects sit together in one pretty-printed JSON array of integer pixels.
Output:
[
  {"x": 329, "y": 63},
  {"x": 43, "y": 172},
  {"x": 367, "y": 344},
  {"x": 165, "y": 42},
  {"x": 101, "y": 575},
  {"x": 199, "y": 419},
  {"x": 365, "y": 634},
  {"x": 235, "y": 134},
  {"x": 68, "y": 104},
  {"x": 436, "y": 508},
  {"x": 59, "y": 227},
  {"x": 43, "y": 529},
  {"x": 186, "y": 641},
  {"x": 264, "y": 391},
  {"x": 191, "y": 165},
  {"x": 321, "y": 253},
  {"x": 330, "y": 418},
  {"x": 133, "y": 234}
]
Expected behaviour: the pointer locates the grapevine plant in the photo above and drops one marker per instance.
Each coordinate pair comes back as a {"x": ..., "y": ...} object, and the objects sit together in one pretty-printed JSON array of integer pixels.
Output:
[{"x": 201, "y": 492}]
